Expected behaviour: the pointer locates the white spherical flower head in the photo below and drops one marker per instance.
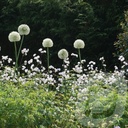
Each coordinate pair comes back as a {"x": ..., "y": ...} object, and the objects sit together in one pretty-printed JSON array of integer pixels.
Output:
[
  {"x": 23, "y": 29},
  {"x": 79, "y": 44},
  {"x": 14, "y": 36},
  {"x": 47, "y": 43},
  {"x": 63, "y": 54}
]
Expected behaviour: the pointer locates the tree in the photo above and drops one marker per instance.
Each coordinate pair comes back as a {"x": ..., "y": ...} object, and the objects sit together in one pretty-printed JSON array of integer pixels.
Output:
[
  {"x": 102, "y": 34},
  {"x": 61, "y": 21},
  {"x": 94, "y": 21},
  {"x": 122, "y": 39}
]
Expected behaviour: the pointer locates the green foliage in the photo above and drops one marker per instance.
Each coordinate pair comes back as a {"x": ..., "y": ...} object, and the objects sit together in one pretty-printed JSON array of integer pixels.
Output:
[
  {"x": 103, "y": 31},
  {"x": 122, "y": 43},
  {"x": 24, "y": 105},
  {"x": 125, "y": 121}
]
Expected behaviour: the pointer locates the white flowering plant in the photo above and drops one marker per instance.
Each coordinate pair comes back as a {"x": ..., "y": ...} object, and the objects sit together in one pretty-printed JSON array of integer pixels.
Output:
[
  {"x": 82, "y": 96},
  {"x": 14, "y": 37},
  {"x": 79, "y": 44},
  {"x": 47, "y": 43}
]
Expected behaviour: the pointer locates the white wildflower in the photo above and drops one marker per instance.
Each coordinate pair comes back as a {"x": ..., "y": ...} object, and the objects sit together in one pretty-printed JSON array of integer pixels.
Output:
[
  {"x": 92, "y": 62},
  {"x": 25, "y": 62},
  {"x": 24, "y": 51},
  {"x": 51, "y": 67},
  {"x": 36, "y": 57},
  {"x": 83, "y": 61},
  {"x": 36, "y": 69},
  {"x": 42, "y": 51},
  {"x": 121, "y": 58},
  {"x": 32, "y": 67},
  {"x": 104, "y": 65},
  {"x": 77, "y": 69},
  {"x": 125, "y": 63},
  {"x": 4, "y": 57},
  {"x": 9, "y": 60},
  {"x": 73, "y": 54},
  {"x": 101, "y": 58},
  {"x": 23, "y": 67},
  {"x": 26, "y": 70},
  {"x": 30, "y": 61}
]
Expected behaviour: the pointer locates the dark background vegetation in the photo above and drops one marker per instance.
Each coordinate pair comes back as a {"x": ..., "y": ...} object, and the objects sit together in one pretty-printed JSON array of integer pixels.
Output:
[{"x": 97, "y": 22}]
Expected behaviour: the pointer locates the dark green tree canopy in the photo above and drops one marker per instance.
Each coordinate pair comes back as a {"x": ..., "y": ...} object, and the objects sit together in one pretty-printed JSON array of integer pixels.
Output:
[{"x": 94, "y": 21}]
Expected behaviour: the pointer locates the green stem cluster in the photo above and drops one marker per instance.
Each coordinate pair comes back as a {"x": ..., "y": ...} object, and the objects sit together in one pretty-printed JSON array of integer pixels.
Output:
[
  {"x": 17, "y": 53},
  {"x": 20, "y": 47}
]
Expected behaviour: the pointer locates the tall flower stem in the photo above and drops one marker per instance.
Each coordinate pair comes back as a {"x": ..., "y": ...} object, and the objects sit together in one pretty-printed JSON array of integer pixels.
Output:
[
  {"x": 20, "y": 47},
  {"x": 79, "y": 55},
  {"x": 16, "y": 64},
  {"x": 48, "y": 59},
  {"x": 80, "y": 58}
]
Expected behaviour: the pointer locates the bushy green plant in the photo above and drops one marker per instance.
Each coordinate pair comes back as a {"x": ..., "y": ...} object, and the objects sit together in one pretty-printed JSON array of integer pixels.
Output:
[
  {"x": 29, "y": 107},
  {"x": 23, "y": 106}
]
